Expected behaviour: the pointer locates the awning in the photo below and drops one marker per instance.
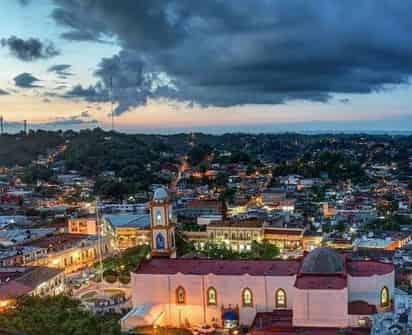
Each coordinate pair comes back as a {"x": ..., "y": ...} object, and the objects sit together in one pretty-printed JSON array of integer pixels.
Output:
[{"x": 229, "y": 315}]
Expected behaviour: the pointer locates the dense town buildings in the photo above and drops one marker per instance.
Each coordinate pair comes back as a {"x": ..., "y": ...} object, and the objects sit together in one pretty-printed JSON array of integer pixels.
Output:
[{"x": 216, "y": 216}]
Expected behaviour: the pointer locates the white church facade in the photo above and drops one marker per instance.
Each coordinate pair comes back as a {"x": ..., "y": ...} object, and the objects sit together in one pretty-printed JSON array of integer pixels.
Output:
[{"x": 325, "y": 289}]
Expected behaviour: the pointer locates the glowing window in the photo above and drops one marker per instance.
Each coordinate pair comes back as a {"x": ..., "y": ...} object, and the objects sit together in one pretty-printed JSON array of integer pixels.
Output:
[
  {"x": 158, "y": 219},
  {"x": 280, "y": 297},
  {"x": 180, "y": 295},
  {"x": 384, "y": 297},
  {"x": 211, "y": 296},
  {"x": 247, "y": 297}
]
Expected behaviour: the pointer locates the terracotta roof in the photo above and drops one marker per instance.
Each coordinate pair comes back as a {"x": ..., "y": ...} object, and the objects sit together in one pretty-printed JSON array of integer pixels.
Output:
[
  {"x": 279, "y": 322},
  {"x": 279, "y": 319},
  {"x": 310, "y": 330},
  {"x": 35, "y": 276},
  {"x": 219, "y": 267},
  {"x": 57, "y": 242},
  {"x": 368, "y": 268},
  {"x": 251, "y": 223},
  {"x": 25, "y": 282},
  {"x": 13, "y": 290},
  {"x": 204, "y": 203},
  {"x": 321, "y": 282},
  {"x": 280, "y": 231},
  {"x": 360, "y": 307}
]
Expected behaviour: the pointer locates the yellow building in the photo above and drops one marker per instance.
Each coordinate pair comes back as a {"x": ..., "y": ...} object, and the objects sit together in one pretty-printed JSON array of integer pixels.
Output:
[
  {"x": 127, "y": 230},
  {"x": 37, "y": 281},
  {"x": 72, "y": 252},
  {"x": 83, "y": 225}
]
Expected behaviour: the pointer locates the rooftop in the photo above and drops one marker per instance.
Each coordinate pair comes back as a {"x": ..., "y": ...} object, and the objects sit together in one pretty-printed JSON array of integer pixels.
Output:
[
  {"x": 26, "y": 281},
  {"x": 322, "y": 260},
  {"x": 128, "y": 220},
  {"x": 219, "y": 267},
  {"x": 59, "y": 242}
]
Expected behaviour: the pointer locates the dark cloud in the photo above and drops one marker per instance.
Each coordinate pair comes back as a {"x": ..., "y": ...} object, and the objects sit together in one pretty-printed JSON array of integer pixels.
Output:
[
  {"x": 29, "y": 50},
  {"x": 3, "y": 92},
  {"x": 82, "y": 118},
  {"x": 26, "y": 80},
  {"x": 91, "y": 93},
  {"x": 62, "y": 70},
  {"x": 232, "y": 52}
]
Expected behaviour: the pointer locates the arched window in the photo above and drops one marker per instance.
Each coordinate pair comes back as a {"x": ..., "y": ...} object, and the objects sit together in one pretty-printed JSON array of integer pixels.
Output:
[
  {"x": 280, "y": 297},
  {"x": 180, "y": 295},
  {"x": 211, "y": 296},
  {"x": 384, "y": 298},
  {"x": 160, "y": 241},
  {"x": 247, "y": 297}
]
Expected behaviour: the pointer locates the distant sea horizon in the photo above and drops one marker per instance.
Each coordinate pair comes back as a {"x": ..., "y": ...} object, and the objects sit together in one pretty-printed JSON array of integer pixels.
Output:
[{"x": 389, "y": 126}]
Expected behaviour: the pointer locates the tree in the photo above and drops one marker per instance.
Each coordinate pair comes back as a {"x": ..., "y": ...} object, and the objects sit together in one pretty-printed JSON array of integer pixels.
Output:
[
  {"x": 198, "y": 154},
  {"x": 340, "y": 227},
  {"x": 127, "y": 260},
  {"x": 57, "y": 315},
  {"x": 264, "y": 250},
  {"x": 183, "y": 246}
]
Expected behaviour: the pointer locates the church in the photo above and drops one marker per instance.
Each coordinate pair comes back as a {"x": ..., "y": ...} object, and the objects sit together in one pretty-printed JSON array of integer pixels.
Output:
[{"x": 324, "y": 290}]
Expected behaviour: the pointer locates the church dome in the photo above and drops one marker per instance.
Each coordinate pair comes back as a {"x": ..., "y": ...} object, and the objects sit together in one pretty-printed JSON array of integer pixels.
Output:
[
  {"x": 160, "y": 194},
  {"x": 322, "y": 260}
]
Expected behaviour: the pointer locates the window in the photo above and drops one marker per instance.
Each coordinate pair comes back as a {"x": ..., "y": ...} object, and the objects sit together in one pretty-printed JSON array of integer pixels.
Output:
[
  {"x": 180, "y": 295},
  {"x": 211, "y": 296},
  {"x": 384, "y": 297},
  {"x": 158, "y": 219},
  {"x": 247, "y": 297},
  {"x": 280, "y": 297}
]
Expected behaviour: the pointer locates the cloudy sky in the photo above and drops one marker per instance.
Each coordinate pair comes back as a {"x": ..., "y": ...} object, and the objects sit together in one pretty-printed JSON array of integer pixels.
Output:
[{"x": 217, "y": 65}]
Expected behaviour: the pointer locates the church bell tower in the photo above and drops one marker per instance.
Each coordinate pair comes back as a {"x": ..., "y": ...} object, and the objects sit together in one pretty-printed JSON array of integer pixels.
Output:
[{"x": 161, "y": 225}]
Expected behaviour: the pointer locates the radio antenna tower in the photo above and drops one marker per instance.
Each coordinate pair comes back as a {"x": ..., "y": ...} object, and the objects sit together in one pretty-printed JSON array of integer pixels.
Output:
[{"x": 1, "y": 125}]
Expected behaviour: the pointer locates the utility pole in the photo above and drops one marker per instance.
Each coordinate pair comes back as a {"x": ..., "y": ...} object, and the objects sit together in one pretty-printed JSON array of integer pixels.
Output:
[
  {"x": 1, "y": 125},
  {"x": 25, "y": 127}
]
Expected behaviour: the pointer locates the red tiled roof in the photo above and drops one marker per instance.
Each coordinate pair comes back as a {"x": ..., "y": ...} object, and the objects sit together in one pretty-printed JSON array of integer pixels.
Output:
[
  {"x": 13, "y": 290},
  {"x": 279, "y": 319},
  {"x": 279, "y": 231},
  {"x": 310, "y": 330},
  {"x": 279, "y": 322},
  {"x": 57, "y": 242},
  {"x": 218, "y": 267},
  {"x": 204, "y": 203},
  {"x": 365, "y": 268},
  {"x": 360, "y": 307},
  {"x": 321, "y": 282}
]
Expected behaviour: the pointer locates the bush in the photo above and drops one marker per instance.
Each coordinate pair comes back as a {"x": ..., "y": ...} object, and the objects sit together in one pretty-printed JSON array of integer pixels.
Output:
[
  {"x": 110, "y": 276},
  {"x": 124, "y": 278}
]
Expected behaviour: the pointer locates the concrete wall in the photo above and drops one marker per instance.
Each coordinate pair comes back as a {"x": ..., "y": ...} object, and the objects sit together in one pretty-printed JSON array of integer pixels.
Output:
[
  {"x": 161, "y": 289},
  {"x": 369, "y": 288},
  {"x": 321, "y": 308},
  {"x": 310, "y": 307}
]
